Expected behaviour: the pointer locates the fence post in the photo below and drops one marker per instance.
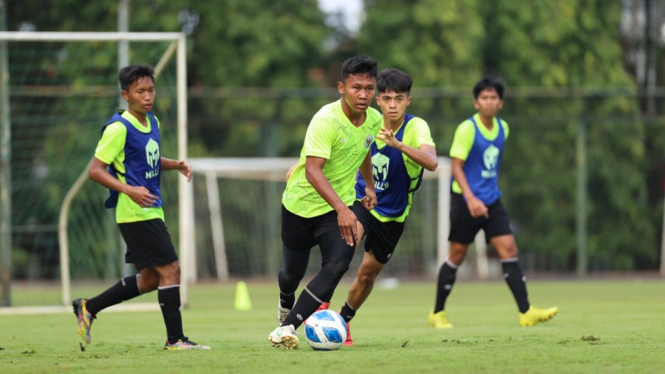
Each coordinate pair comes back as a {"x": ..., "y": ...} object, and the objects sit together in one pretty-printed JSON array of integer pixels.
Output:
[
  {"x": 5, "y": 171},
  {"x": 581, "y": 217}
]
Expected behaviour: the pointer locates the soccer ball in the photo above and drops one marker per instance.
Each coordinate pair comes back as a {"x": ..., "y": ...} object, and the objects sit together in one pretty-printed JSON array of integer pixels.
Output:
[{"x": 325, "y": 330}]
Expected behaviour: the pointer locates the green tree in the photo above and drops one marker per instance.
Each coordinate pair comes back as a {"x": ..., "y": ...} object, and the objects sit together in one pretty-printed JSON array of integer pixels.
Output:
[{"x": 571, "y": 43}]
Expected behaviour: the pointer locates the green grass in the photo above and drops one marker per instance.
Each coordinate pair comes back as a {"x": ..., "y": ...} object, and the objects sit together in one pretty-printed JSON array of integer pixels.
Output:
[{"x": 391, "y": 334}]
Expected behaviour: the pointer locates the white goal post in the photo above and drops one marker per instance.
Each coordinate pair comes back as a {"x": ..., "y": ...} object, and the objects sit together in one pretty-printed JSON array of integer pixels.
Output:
[
  {"x": 177, "y": 46},
  {"x": 274, "y": 169}
]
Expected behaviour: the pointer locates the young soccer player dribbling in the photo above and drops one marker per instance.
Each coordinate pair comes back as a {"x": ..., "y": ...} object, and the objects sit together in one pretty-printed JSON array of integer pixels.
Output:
[
  {"x": 130, "y": 148},
  {"x": 475, "y": 204},
  {"x": 318, "y": 197},
  {"x": 404, "y": 147}
]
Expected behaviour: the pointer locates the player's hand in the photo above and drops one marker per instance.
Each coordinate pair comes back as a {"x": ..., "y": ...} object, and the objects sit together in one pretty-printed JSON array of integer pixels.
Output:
[
  {"x": 477, "y": 208},
  {"x": 141, "y": 196},
  {"x": 388, "y": 137},
  {"x": 288, "y": 173},
  {"x": 347, "y": 222},
  {"x": 369, "y": 201},
  {"x": 185, "y": 169}
]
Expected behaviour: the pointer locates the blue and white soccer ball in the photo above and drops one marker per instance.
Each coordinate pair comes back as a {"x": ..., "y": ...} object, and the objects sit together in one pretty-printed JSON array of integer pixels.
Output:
[{"x": 325, "y": 330}]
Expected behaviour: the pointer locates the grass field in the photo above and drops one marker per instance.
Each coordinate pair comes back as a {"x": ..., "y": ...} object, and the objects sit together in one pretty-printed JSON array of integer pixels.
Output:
[{"x": 612, "y": 326}]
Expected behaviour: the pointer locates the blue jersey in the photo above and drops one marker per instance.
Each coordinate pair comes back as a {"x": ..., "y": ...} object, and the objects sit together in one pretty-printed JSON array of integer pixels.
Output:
[
  {"x": 391, "y": 179},
  {"x": 142, "y": 159},
  {"x": 481, "y": 167}
]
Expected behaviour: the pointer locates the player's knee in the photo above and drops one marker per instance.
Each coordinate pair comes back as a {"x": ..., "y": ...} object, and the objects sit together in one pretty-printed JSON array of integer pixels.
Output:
[
  {"x": 457, "y": 253},
  {"x": 150, "y": 284},
  {"x": 367, "y": 278},
  {"x": 338, "y": 268},
  {"x": 169, "y": 274},
  {"x": 288, "y": 280},
  {"x": 508, "y": 250}
]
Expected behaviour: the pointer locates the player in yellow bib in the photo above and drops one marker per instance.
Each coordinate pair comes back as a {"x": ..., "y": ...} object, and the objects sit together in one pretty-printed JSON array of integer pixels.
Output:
[{"x": 316, "y": 205}]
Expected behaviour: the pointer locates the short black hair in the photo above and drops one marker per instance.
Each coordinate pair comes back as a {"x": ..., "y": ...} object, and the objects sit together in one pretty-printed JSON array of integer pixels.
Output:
[
  {"x": 487, "y": 83},
  {"x": 394, "y": 80},
  {"x": 130, "y": 74},
  {"x": 359, "y": 65}
]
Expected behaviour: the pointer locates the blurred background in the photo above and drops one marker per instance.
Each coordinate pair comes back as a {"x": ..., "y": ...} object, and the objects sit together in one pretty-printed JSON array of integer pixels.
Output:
[{"x": 583, "y": 176}]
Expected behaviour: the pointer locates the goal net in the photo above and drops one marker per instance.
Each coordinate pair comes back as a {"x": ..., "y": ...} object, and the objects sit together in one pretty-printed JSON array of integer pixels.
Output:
[
  {"x": 235, "y": 221},
  {"x": 61, "y": 89}
]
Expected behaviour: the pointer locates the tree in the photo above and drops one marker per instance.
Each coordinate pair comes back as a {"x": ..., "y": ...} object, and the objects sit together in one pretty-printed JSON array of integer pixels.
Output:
[{"x": 572, "y": 43}]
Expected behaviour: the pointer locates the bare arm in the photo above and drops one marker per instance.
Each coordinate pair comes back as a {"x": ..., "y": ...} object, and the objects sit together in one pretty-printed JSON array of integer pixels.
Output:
[
  {"x": 182, "y": 166},
  {"x": 425, "y": 155},
  {"x": 476, "y": 207},
  {"x": 345, "y": 217},
  {"x": 366, "y": 171},
  {"x": 140, "y": 195}
]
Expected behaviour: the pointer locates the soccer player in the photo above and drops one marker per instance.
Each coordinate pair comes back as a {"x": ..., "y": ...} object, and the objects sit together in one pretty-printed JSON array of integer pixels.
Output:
[
  {"x": 475, "y": 204},
  {"x": 404, "y": 147},
  {"x": 130, "y": 149},
  {"x": 320, "y": 193}
]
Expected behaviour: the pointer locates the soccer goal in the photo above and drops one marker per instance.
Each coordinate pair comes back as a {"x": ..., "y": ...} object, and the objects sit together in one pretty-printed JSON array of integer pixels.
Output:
[
  {"x": 235, "y": 211},
  {"x": 61, "y": 89}
]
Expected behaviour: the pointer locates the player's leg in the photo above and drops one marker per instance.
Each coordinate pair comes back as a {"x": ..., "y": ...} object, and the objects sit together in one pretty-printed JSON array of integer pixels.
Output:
[
  {"x": 360, "y": 289},
  {"x": 361, "y": 233},
  {"x": 463, "y": 230},
  {"x": 335, "y": 258},
  {"x": 153, "y": 253},
  {"x": 168, "y": 296},
  {"x": 297, "y": 241},
  {"x": 289, "y": 277},
  {"x": 363, "y": 284},
  {"x": 445, "y": 281},
  {"x": 125, "y": 289},
  {"x": 501, "y": 237}
]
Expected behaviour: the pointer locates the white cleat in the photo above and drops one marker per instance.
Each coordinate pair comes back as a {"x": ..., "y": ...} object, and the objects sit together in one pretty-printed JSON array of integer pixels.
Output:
[
  {"x": 281, "y": 313},
  {"x": 284, "y": 336}
]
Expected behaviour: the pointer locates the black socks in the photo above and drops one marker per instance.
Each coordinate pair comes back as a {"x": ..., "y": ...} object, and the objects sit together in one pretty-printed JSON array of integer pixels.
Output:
[
  {"x": 169, "y": 301},
  {"x": 347, "y": 312},
  {"x": 127, "y": 288},
  {"x": 306, "y": 305},
  {"x": 447, "y": 275},
  {"x": 516, "y": 282}
]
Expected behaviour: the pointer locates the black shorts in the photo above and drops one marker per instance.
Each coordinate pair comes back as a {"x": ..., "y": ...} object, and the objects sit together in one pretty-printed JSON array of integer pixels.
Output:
[
  {"x": 300, "y": 233},
  {"x": 380, "y": 237},
  {"x": 463, "y": 227},
  {"x": 148, "y": 243}
]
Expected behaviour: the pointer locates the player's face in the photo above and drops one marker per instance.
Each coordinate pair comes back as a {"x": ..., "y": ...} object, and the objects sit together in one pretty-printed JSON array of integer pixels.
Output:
[
  {"x": 488, "y": 102},
  {"x": 393, "y": 105},
  {"x": 357, "y": 91},
  {"x": 141, "y": 95}
]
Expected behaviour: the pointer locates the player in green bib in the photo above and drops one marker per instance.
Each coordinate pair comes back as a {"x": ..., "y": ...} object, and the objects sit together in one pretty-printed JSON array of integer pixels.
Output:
[{"x": 316, "y": 205}]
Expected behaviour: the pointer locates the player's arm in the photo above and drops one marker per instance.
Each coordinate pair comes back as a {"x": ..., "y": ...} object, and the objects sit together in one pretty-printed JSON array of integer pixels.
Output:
[
  {"x": 476, "y": 207},
  {"x": 139, "y": 194},
  {"x": 425, "y": 155},
  {"x": 366, "y": 171},
  {"x": 345, "y": 217},
  {"x": 180, "y": 165}
]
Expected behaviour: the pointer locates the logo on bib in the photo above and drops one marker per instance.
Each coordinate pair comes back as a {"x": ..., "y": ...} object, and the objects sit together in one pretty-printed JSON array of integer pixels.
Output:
[
  {"x": 368, "y": 141},
  {"x": 380, "y": 165},
  {"x": 152, "y": 157},
  {"x": 490, "y": 159}
]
